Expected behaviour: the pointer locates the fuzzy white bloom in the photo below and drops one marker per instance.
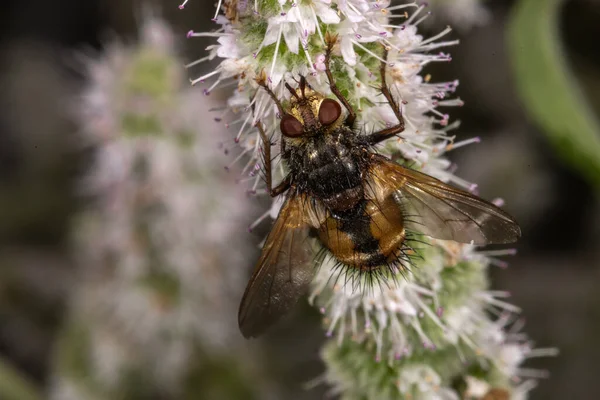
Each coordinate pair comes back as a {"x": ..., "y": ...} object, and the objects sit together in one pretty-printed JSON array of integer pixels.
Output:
[
  {"x": 160, "y": 278},
  {"x": 464, "y": 14},
  {"x": 414, "y": 335}
]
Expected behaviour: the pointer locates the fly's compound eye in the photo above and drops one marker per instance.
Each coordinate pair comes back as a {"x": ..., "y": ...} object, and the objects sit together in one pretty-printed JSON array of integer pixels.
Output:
[
  {"x": 329, "y": 111},
  {"x": 290, "y": 126}
]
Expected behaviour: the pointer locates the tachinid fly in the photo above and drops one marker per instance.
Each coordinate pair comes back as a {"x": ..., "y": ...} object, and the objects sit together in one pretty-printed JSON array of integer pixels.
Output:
[{"x": 356, "y": 202}]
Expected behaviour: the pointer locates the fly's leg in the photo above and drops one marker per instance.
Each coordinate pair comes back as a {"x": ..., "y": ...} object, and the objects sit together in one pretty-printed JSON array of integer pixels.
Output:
[
  {"x": 331, "y": 40},
  {"x": 266, "y": 150},
  {"x": 380, "y": 136},
  {"x": 262, "y": 81},
  {"x": 285, "y": 184}
]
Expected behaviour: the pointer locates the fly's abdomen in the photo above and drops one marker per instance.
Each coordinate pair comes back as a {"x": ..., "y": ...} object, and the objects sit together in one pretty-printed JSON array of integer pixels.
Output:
[{"x": 368, "y": 238}]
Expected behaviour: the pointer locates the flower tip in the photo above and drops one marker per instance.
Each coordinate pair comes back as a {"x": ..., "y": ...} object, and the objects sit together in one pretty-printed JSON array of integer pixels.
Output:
[
  {"x": 429, "y": 346},
  {"x": 190, "y": 32},
  {"x": 499, "y": 202}
]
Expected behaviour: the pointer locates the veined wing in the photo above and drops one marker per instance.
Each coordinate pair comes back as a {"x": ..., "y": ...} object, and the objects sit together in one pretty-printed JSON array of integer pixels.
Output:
[
  {"x": 283, "y": 272},
  {"x": 440, "y": 210}
]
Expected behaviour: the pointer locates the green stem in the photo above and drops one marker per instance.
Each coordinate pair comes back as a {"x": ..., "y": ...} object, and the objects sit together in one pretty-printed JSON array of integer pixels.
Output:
[
  {"x": 550, "y": 93},
  {"x": 13, "y": 386}
]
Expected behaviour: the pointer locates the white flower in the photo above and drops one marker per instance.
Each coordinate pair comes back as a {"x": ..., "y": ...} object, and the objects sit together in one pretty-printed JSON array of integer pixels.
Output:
[
  {"x": 424, "y": 383},
  {"x": 157, "y": 280},
  {"x": 476, "y": 387},
  {"x": 441, "y": 306}
]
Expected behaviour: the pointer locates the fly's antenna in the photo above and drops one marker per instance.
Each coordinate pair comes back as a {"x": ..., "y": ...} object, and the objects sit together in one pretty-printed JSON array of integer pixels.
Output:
[
  {"x": 302, "y": 85},
  {"x": 292, "y": 91}
]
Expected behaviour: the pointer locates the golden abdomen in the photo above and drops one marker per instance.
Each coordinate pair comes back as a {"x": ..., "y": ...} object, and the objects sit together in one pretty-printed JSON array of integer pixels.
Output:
[{"x": 368, "y": 238}]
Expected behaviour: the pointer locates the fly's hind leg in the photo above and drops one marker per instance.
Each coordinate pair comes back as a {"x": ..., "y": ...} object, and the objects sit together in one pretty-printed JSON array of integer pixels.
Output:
[
  {"x": 380, "y": 136},
  {"x": 267, "y": 162},
  {"x": 266, "y": 149},
  {"x": 331, "y": 40}
]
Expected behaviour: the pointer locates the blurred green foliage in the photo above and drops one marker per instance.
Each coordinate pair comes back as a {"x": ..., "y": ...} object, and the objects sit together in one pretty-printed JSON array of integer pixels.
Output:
[
  {"x": 13, "y": 386},
  {"x": 548, "y": 89}
]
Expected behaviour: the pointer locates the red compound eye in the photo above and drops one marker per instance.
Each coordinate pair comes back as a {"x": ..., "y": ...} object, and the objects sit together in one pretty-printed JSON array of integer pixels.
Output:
[
  {"x": 290, "y": 126},
  {"x": 329, "y": 111}
]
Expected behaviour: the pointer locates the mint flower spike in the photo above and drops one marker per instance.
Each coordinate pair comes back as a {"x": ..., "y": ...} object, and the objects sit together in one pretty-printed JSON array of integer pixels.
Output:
[
  {"x": 427, "y": 334},
  {"x": 156, "y": 299},
  {"x": 268, "y": 39}
]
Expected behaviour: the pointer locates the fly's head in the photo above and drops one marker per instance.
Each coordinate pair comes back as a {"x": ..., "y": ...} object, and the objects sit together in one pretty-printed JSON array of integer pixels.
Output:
[{"x": 310, "y": 114}]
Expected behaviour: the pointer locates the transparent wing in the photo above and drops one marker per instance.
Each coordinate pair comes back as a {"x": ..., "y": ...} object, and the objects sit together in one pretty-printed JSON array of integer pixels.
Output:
[
  {"x": 283, "y": 272},
  {"x": 439, "y": 210}
]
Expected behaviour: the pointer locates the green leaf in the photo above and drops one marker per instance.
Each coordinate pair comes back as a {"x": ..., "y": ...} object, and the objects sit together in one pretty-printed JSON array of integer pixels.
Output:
[
  {"x": 13, "y": 386},
  {"x": 548, "y": 89}
]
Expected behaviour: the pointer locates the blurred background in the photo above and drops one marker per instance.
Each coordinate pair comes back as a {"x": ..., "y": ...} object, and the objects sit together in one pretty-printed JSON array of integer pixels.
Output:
[{"x": 533, "y": 159}]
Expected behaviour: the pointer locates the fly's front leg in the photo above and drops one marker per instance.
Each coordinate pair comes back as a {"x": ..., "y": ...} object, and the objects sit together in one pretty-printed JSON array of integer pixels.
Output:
[
  {"x": 380, "y": 136},
  {"x": 285, "y": 184},
  {"x": 331, "y": 40},
  {"x": 262, "y": 81}
]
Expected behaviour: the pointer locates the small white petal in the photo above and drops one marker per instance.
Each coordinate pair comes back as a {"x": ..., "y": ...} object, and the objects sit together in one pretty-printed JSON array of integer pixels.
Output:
[
  {"x": 291, "y": 37},
  {"x": 276, "y": 206},
  {"x": 326, "y": 14},
  {"x": 228, "y": 48},
  {"x": 271, "y": 35},
  {"x": 347, "y": 49},
  {"x": 476, "y": 387}
]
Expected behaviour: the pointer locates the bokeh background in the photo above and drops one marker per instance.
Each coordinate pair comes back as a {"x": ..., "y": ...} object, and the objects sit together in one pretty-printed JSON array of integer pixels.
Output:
[{"x": 43, "y": 158}]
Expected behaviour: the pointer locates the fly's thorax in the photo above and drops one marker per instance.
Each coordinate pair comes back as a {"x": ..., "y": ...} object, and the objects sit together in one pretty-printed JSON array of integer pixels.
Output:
[{"x": 330, "y": 168}]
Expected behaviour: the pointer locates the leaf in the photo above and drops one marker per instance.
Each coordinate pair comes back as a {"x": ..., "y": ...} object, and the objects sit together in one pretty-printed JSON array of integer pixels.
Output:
[
  {"x": 549, "y": 91},
  {"x": 13, "y": 386}
]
